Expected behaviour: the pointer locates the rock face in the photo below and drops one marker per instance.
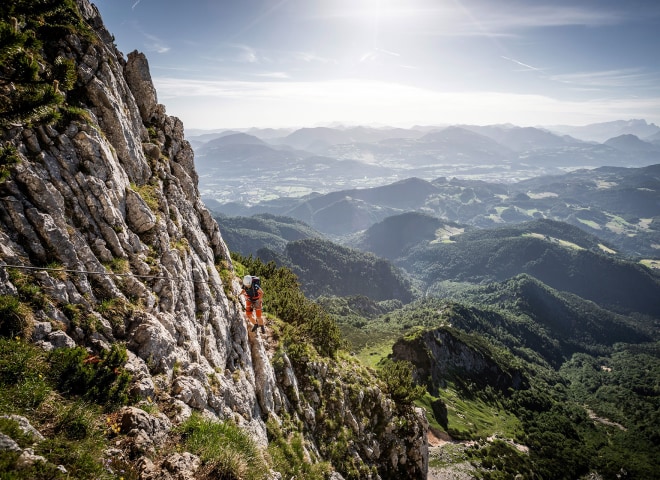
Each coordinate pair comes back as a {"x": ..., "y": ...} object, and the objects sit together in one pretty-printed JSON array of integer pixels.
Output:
[
  {"x": 105, "y": 211},
  {"x": 440, "y": 354}
]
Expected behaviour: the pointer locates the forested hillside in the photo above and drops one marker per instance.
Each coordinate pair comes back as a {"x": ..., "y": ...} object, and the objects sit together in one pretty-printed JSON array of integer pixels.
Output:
[
  {"x": 549, "y": 251},
  {"x": 326, "y": 268},
  {"x": 595, "y": 414},
  {"x": 247, "y": 235}
]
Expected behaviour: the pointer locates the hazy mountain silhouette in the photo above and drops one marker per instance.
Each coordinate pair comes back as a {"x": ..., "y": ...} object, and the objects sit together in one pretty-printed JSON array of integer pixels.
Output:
[
  {"x": 600, "y": 132},
  {"x": 632, "y": 144},
  {"x": 521, "y": 139}
]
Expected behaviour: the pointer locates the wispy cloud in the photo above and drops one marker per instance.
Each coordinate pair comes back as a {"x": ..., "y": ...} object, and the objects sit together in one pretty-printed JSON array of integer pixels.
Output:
[
  {"x": 308, "y": 57},
  {"x": 246, "y": 54},
  {"x": 524, "y": 65},
  {"x": 259, "y": 18},
  {"x": 623, "y": 78},
  {"x": 282, "y": 75},
  {"x": 505, "y": 20},
  {"x": 377, "y": 54},
  {"x": 155, "y": 44},
  {"x": 135, "y": 4},
  {"x": 370, "y": 101},
  {"x": 534, "y": 16}
]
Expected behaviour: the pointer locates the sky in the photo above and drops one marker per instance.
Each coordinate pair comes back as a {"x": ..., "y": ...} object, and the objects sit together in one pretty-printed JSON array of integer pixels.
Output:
[{"x": 302, "y": 63}]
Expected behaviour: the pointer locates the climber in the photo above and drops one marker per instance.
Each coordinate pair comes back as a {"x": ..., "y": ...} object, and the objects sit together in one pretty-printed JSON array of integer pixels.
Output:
[{"x": 253, "y": 293}]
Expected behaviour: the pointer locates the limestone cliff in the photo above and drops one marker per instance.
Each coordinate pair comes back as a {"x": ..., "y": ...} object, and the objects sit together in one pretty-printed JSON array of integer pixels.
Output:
[{"x": 100, "y": 212}]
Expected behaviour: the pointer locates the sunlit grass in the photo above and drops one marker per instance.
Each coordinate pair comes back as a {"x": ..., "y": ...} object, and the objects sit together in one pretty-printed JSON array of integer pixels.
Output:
[
  {"x": 371, "y": 354},
  {"x": 650, "y": 263},
  {"x": 475, "y": 418},
  {"x": 606, "y": 249},
  {"x": 559, "y": 241},
  {"x": 589, "y": 223}
]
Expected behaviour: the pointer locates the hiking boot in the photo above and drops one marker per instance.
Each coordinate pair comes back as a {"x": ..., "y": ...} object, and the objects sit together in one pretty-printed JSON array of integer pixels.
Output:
[
  {"x": 254, "y": 328},
  {"x": 263, "y": 330}
]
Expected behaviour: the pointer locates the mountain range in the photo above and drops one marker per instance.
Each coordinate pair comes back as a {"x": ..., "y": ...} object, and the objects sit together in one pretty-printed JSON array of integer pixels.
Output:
[
  {"x": 620, "y": 205},
  {"x": 515, "y": 320},
  {"x": 326, "y": 159}
]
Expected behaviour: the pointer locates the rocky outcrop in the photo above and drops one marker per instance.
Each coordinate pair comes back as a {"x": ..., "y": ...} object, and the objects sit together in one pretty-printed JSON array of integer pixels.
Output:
[
  {"x": 355, "y": 421},
  {"x": 102, "y": 217},
  {"x": 444, "y": 354}
]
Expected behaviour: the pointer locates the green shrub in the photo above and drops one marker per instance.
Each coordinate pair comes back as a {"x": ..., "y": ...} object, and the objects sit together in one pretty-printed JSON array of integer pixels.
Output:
[
  {"x": 284, "y": 299},
  {"x": 14, "y": 316},
  {"x": 101, "y": 378},
  {"x": 8, "y": 158},
  {"x": 289, "y": 456},
  {"x": 73, "y": 426},
  {"x": 399, "y": 382},
  {"x": 225, "y": 450},
  {"x": 29, "y": 292},
  {"x": 39, "y": 78}
]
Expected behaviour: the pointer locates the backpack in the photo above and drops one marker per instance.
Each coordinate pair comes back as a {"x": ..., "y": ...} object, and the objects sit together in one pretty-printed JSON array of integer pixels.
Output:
[{"x": 256, "y": 285}]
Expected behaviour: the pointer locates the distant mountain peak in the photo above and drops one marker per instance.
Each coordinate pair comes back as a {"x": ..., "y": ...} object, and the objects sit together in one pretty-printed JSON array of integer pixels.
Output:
[
  {"x": 237, "y": 139},
  {"x": 631, "y": 143},
  {"x": 600, "y": 132}
]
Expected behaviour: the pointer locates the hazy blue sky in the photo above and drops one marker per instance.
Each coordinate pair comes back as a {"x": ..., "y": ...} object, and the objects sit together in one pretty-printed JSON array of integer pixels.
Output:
[{"x": 242, "y": 63}]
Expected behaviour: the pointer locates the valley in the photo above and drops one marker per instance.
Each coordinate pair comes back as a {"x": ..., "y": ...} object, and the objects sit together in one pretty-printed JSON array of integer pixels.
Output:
[{"x": 520, "y": 302}]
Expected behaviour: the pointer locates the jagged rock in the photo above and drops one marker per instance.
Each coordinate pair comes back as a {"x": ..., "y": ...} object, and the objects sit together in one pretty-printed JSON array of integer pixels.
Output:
[
  {"x": 182, "y": 466},
  {"x": 190, "y": 391},
  {"x": 149, "y": 471},
  {"x": 41, "y": 330},
  {"x": 59, "y": 339},
  {"x": 439, "y": 354},
  {"x": 28, "y": 458},
  {"x": 146, "y": 431},
  {"x": 142, "y": 385},
  {"x": 26, "y": 427},
  {"x": 151, "y": 341},
  {"x": 139, "y": 216},
  {"x": 6, "y": 287},
  {"x": 7, "y": 444},
  {"x": 138, "y": 78},
  {"x": 269, "y": 396}
]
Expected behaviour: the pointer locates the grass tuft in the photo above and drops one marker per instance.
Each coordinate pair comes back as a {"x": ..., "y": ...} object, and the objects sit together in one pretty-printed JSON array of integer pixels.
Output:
[{"x": 226, "y": 451}]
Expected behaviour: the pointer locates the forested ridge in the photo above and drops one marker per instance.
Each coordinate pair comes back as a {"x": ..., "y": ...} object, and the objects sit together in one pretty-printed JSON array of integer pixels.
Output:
[{"x": 326, "y": 268}]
